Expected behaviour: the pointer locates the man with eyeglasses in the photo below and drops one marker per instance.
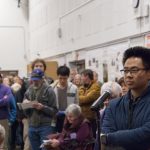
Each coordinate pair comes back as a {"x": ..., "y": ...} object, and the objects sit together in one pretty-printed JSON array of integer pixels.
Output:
[{"x": 126, "y": 123}]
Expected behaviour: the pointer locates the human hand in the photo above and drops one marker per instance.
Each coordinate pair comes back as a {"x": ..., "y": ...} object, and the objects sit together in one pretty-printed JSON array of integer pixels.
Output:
[
  {"x": 55, "y": 143},
  {"x": 26, "y": 101},
  {"x": 38, "y": 106}
]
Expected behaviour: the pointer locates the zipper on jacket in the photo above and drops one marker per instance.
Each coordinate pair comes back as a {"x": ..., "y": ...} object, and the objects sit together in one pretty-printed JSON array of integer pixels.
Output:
[{"x": 130, "y": 115}]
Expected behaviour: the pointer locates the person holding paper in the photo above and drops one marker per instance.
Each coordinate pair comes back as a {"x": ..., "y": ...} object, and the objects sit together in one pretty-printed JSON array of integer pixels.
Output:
[
  {"x": 76, "y": 133},
  {"x": 43, "y": 101}
]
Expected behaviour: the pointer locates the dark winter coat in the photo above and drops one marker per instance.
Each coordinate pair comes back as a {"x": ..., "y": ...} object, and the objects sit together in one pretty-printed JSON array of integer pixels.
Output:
[{"x": 128, "y": 123}]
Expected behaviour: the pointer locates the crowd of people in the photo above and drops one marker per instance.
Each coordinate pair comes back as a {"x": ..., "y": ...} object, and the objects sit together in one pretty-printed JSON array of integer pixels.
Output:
[{"x": 43, "y": 114}]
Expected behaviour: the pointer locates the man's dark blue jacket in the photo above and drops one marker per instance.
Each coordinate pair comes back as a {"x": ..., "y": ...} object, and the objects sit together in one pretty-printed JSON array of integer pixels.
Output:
[{"x": 128, "y": 123}]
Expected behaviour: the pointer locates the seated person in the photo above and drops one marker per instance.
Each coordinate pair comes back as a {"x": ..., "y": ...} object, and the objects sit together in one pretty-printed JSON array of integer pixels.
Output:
[{"x": 76, "y": 132}]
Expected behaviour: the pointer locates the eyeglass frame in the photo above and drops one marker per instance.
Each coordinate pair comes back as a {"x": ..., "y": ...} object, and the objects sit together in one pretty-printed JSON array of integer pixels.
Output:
[{"x": 134, "y": 70}]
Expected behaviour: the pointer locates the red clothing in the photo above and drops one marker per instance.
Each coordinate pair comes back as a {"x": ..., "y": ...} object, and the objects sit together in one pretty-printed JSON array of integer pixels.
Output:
[{"x": 77, "y": 135}]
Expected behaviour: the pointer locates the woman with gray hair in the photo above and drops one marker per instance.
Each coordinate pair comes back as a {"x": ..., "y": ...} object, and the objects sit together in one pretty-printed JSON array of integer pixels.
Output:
[
  {"x": 115, "y": 91},
  {"x": 76, "y": 132},
  {"x": 72, "y": 112},
  {"x": 114, "y": 88}
]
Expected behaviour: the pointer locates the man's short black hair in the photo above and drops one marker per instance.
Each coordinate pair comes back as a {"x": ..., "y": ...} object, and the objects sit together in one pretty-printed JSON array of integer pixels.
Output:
[
  {"x": 63, "y": 71},
  {"x": 140, "y": 52},
  {"x": 88, "y": 72}
]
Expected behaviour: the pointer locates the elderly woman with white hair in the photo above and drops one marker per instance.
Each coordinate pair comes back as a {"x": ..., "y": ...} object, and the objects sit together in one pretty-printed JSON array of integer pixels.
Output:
[
  {"x": 115, "y": 91},
  {"x": 76, "y": 132},
  {"x": 114, "y": 88}
]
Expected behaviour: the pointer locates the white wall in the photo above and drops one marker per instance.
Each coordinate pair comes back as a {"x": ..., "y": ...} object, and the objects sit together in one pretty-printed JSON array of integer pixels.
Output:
[
  {"x": 83, "y": 23},
  {"x": 14, "y": 36},
  {"x": 110, "y": 55}
]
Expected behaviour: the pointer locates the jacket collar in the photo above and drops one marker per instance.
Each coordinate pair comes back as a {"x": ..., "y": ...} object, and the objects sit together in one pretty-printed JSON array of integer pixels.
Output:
[{"x": 145, "y": 92}]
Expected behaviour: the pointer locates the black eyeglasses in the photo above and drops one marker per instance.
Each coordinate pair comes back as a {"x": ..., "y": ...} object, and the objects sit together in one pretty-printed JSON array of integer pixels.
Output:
[{"x": 132, "y": 70}]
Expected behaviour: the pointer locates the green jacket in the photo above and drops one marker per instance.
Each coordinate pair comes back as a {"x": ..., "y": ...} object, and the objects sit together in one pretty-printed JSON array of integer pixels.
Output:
[{"x": 46, "y": 96}]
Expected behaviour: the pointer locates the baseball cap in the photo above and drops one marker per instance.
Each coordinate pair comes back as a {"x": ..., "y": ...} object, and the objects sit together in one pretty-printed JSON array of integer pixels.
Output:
[{"x": 37, "y": 74}]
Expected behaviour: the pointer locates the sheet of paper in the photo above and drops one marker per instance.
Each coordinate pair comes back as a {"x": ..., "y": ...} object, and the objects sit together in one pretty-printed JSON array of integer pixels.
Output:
[
  {"x": 26, "y": 105},
  {"x": 45, "y": 142}
]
